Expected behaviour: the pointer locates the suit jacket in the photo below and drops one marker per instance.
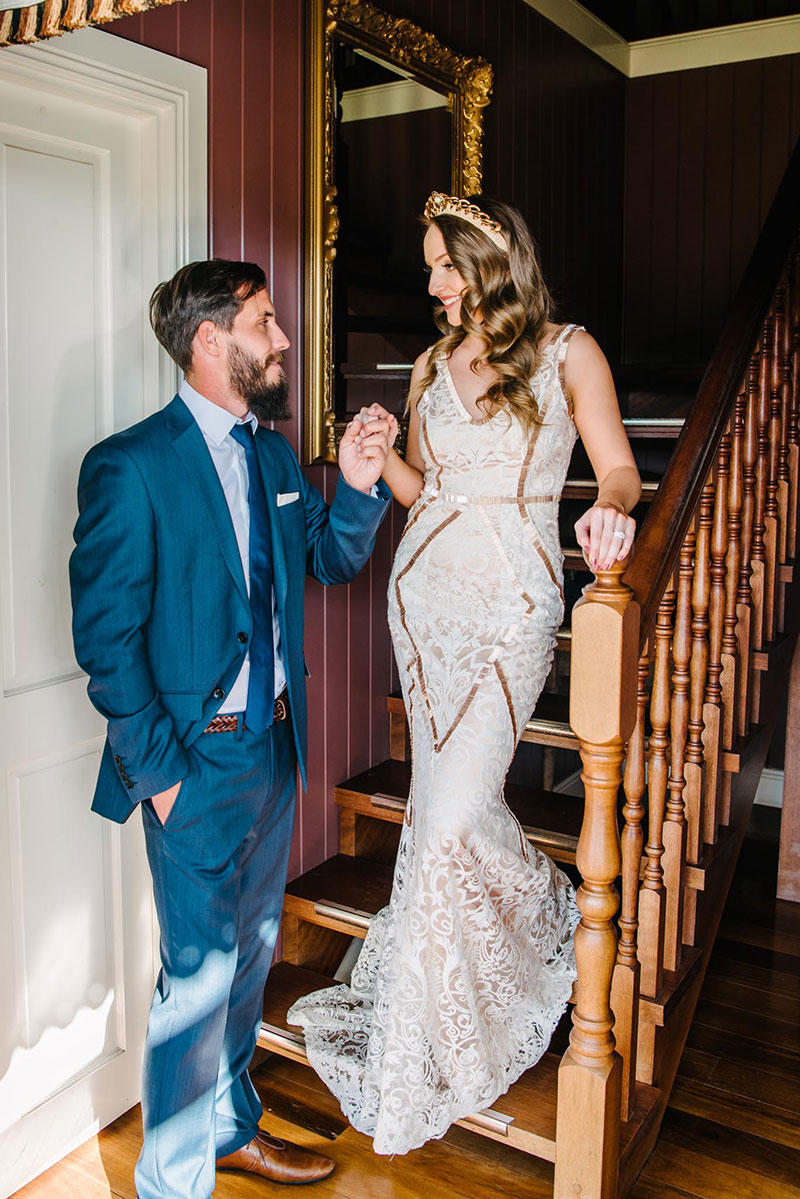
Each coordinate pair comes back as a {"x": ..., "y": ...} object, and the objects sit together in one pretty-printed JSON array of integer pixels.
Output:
[{"x": 159, "y": 597}]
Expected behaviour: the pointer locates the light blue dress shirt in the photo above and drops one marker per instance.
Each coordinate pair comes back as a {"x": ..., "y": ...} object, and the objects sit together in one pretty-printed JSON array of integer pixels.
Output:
[{"x": 229, "y": 462}]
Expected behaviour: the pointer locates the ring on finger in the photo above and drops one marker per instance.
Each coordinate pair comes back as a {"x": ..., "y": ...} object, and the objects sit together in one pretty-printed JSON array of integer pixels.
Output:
[{"x": 619, "y": 533}]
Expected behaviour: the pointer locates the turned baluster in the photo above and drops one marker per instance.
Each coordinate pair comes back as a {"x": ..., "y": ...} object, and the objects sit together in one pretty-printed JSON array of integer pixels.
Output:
[
  {"x": 772, "y": 533},
  {"x": 652, "y": 898},
  {"x": 713, "y": 715},
  {"x": 695, "y": 769},
  {"x": 626, "y": 981},
  {"x": 793, "y": 434},
  {"x": 758, "y": 549},
  {"x": 674, "y": 834},
  {"x": 783, "y": 383},
  {"x": 605, "y": 647},
  {"x": 746, "y": 600},
  {"x": 730, "y": 646},
  {"x": 761, "y": 545}
]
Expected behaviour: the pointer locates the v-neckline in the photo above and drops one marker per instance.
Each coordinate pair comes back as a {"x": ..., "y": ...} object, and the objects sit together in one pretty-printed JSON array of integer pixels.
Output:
[
  {"x": 450, "y": 381},
  {"x": 451, "y": 384}
]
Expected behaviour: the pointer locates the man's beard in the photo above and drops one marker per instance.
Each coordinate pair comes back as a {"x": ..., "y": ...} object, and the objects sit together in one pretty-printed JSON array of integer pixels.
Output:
[{"x": 247, "y": 376}]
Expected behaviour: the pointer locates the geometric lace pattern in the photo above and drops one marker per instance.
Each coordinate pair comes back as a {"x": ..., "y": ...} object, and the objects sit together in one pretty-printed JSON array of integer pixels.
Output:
[{"x": 463, "y": 977}]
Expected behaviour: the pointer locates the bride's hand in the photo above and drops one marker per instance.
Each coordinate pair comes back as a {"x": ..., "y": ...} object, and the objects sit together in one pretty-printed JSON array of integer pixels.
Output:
[
  {"x": 376, "y": 412},
  {"x": 365, "y": 446},
  {"x": 605, "y": 535}
]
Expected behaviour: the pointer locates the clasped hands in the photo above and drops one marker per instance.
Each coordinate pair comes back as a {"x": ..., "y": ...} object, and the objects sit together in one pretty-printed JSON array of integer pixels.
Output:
[{"x": 365, "y": 446}]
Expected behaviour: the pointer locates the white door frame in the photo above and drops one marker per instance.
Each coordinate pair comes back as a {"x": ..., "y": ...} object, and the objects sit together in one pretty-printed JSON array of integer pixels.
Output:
[
  {"x": 168, "y": 99},
  {"x": 126, "y": 77}
]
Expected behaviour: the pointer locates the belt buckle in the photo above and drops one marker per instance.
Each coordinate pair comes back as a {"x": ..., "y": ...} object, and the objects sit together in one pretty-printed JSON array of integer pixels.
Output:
[{"x": 279, "y": 711}]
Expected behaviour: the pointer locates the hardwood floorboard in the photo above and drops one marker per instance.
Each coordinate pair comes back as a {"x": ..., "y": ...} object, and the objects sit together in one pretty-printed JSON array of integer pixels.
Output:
[
  {"x": 754, "y": 999},
  {"x": 761, "y": 967},
  {"x": 736, "y": 1111},
  {"x": 731, "y": 1130}
]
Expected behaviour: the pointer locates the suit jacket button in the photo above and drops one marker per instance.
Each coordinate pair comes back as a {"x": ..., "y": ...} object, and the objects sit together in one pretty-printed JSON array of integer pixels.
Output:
[
  {"x": 218, "y": 693},
  {"x": 242, "y": 638}
]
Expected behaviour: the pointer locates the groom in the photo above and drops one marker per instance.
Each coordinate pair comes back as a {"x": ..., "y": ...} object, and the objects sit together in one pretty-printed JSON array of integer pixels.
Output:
[{"x": 196, "y": 530}]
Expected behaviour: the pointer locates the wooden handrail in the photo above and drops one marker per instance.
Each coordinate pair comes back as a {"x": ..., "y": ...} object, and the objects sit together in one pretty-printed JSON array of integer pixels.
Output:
[{"x": 661, "y": 536}]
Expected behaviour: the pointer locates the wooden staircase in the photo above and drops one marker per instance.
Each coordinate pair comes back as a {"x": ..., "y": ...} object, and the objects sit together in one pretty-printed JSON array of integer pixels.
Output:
[{"x": 668, "y": 681}]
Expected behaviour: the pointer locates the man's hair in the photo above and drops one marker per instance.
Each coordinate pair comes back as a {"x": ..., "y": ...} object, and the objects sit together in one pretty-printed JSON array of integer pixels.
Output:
[{"x": 202, "y": 291}]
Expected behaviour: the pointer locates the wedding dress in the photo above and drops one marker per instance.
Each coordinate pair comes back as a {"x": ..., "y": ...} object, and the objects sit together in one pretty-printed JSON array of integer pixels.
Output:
[{"x": 463, "y": 977}]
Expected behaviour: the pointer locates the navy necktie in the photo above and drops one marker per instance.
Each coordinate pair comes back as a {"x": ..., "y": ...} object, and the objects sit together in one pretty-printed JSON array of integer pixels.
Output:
[{"x": 260, "y": 697}]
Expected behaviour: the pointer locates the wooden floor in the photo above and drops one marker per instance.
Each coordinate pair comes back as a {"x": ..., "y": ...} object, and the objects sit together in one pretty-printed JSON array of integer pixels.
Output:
[{"x": 732, "y": 1129}]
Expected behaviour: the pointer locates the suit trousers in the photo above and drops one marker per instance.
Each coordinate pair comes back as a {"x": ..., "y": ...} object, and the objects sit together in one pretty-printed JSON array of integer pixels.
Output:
[{"x": 219, "y": 870}]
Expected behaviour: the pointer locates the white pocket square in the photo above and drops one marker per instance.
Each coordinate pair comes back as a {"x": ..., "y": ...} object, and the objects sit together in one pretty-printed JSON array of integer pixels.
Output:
[{"x": 287, "y": 497}]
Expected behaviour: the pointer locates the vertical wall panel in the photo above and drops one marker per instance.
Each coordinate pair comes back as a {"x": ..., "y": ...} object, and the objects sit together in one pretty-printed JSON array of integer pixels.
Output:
[
  {"x": 715, "y": 142},
  {"x": 553, "y": 145}
]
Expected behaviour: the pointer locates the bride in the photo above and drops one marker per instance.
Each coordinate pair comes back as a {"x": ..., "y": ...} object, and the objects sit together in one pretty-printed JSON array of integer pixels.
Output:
[{"x": 463, "y": 977}]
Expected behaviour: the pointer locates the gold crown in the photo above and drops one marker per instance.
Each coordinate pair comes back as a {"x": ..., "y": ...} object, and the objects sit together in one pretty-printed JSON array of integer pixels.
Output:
[{"x": 441, "y": 205}]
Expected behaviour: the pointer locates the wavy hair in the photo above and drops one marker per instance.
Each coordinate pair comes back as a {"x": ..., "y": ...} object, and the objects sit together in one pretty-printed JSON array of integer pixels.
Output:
[{"x": 511, "y": 296}]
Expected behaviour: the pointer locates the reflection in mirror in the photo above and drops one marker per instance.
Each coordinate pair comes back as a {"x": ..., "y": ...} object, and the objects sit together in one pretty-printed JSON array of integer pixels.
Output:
[
  {"x": 392, "y": 150},
  {"x": 392, "y": 114}
]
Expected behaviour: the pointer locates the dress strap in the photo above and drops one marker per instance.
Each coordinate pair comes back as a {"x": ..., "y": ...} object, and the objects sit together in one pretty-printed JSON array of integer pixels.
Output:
[{"x": 562, "y": 340}]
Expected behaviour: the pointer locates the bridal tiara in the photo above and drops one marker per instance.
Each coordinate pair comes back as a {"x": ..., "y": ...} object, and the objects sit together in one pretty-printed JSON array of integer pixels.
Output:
[{"x": 441, "y": 205}]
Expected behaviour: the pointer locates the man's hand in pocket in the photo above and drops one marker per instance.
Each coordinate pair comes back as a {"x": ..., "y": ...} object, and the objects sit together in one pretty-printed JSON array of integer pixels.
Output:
[{"x": 163, "y": 802}]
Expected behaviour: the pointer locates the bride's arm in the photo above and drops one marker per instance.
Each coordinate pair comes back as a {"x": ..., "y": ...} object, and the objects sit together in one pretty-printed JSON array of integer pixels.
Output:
[{"x": 598, "y": 421}]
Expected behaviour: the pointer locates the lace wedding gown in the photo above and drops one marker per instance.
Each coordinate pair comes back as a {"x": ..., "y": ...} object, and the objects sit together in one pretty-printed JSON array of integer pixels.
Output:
[{"x": 463, "y": 977}]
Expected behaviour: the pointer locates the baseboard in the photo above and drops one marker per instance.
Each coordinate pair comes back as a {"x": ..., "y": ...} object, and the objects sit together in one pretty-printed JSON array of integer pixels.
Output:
[{"x": 770, "y": 788}]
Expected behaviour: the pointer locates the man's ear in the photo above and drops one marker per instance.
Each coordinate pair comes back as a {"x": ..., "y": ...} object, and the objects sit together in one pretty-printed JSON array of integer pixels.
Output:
[{"x": 207, "y": 340}]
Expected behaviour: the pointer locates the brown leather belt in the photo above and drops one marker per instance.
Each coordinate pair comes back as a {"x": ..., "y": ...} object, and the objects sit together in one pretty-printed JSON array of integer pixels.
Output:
[{"x": 229, "y": 722}]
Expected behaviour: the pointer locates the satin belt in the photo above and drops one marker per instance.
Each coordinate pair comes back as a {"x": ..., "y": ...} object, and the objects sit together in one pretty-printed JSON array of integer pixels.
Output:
[{"x": 455, "y": 497}]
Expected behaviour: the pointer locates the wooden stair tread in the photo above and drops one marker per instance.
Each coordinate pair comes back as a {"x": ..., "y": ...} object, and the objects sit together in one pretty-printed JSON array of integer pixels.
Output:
[
  {"x": 586, "y": 489},
  {"x": 667, "y": 427},
  {"x": 551, "y": 820},
  {"x": 285, "y": 984},
  {"x": 525, "y": 1117},
  {"x": 357, "y": 886}
]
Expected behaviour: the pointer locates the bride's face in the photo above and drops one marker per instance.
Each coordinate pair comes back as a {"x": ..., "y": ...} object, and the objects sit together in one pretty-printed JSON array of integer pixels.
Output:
[{"x": 445, "y": 284}]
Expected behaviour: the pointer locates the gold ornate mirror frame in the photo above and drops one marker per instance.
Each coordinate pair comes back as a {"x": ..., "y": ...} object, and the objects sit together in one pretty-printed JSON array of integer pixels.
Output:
[{"x": 467, "y": 83}]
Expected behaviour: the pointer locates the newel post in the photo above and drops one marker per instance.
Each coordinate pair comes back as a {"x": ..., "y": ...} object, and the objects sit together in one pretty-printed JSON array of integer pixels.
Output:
[{"x": 603, "y": 692}]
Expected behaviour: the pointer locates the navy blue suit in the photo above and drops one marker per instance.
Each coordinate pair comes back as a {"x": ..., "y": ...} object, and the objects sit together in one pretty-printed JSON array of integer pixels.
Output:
[{"x": 161, "y": 623}]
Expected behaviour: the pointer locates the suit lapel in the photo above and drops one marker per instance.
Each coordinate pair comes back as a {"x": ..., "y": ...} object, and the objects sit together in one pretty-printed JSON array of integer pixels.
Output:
[
  {"x": 268, "y": 476},
  {"x": 189, "y": 444}
]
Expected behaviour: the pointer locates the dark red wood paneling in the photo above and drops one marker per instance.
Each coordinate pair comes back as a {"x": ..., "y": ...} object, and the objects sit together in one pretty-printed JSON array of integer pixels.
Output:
[{"x": 705, "y": 151}]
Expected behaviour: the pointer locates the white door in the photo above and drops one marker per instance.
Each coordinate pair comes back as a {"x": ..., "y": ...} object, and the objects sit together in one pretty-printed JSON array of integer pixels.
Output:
[{"x": 96, "y": 207}]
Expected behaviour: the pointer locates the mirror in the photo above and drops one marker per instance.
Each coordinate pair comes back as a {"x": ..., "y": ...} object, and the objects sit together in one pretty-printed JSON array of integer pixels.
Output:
[{"x": 392, "y": 116}]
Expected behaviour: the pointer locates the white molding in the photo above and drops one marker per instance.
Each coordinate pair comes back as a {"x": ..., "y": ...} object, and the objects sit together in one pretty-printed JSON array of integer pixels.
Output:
[
  {"x": 714, "y": 47},
  {"x": 770, "y": 788},
  {"x": 679, "y": 52},
  {"x": 389, "y": 100},
  {"x": 587, "y": 29}
]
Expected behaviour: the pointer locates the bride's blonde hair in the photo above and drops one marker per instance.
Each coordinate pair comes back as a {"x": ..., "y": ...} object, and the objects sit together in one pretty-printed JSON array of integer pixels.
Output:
[{"x": 510, "y": 294}]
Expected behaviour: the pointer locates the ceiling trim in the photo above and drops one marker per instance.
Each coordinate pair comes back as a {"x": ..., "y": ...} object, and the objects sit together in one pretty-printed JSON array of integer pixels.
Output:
[
  {"x": 678, "y": 52},
  {"x": 587, "y": 29},
  {"x": 714, "y": 47}
]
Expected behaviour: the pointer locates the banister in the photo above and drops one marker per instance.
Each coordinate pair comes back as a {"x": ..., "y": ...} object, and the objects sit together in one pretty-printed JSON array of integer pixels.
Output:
[{"x": 658, "y": 544}]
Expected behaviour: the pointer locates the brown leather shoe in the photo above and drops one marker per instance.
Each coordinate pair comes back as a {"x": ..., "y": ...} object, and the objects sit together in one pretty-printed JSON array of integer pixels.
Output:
[{"x": 279, "y": 1161}]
